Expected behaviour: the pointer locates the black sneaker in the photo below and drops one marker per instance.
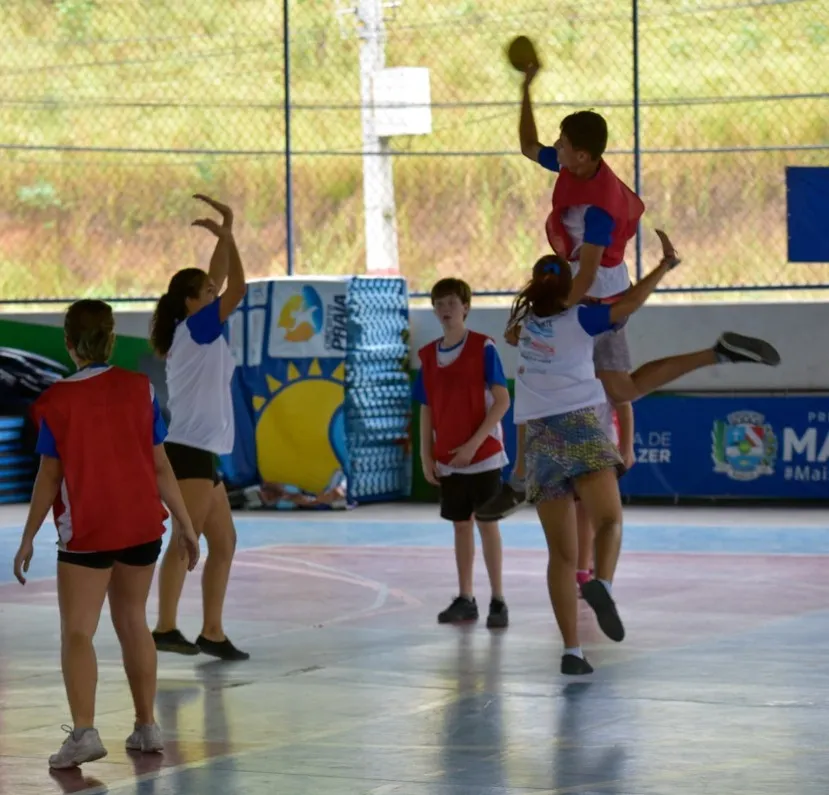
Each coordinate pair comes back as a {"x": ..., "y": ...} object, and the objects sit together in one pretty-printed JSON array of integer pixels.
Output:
[
  {"x": 461, "y": 609},
  {"x": 735, "y": 348},
  {"x": 173, "y": 641},
  {"x": 503, "y": 504},
  {"x": 596, "y": 595},
  {"x": 575, "y": 666},
  {"x": 223, "y": 649},
  {"x": 498, "y": 617}
]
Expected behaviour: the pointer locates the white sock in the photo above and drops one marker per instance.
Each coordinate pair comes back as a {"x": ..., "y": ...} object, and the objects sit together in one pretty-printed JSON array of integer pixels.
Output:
[
  {"x": 576, "y": 652},
  {"x": 608, "y": 585}
]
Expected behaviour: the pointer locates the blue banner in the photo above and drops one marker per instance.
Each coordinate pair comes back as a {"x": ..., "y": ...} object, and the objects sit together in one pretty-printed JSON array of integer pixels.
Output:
[{"x": 731, "y": 446}]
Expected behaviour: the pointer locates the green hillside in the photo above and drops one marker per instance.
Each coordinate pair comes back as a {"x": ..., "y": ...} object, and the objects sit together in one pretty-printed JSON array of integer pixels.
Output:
[{"x": 194, "y": 91}]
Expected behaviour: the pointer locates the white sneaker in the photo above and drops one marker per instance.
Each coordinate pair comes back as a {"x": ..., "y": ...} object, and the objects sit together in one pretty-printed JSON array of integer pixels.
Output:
[
  {"x": 147, "y": 739},
  {"x": 75, "y": 752}
]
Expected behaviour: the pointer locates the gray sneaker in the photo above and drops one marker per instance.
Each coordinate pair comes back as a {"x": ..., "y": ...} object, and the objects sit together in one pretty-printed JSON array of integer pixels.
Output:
[
  {"x": 146, "y": 738},
  {"x": 75, "y": 752}
]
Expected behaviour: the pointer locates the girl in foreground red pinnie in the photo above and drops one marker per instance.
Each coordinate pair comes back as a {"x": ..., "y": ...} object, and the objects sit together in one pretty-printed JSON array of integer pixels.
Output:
[{"x": 104, "y": 473}]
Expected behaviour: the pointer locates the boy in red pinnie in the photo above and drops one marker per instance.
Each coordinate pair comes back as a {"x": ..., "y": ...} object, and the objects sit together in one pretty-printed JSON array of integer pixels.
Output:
[{"x": 463, "y": 395}]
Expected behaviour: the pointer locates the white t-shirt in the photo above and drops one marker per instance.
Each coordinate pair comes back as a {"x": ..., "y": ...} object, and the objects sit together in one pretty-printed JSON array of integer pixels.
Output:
[
  {"x": 200, "y": 367},
  {"x": 555, "y": 372}
]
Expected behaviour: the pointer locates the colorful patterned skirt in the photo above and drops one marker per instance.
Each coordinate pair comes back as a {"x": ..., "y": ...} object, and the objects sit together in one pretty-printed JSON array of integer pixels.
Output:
[{"x": 560, "y": 449}]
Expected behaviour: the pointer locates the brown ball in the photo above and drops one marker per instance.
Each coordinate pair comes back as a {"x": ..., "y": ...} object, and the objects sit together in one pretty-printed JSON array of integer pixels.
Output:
[{"x": 521, "y": 53}]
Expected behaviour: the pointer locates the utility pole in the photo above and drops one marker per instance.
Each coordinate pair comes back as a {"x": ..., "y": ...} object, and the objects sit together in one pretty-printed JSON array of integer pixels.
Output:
[{"x": 378, "y": 178}]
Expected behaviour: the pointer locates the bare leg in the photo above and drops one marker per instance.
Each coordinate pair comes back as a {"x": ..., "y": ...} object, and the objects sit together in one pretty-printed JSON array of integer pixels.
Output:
[
  {"x": 558, "y": 518},
  {"x": 465, "y": 557},
  {"x": 220, "y": 534},
  {"x": 493, "y": 556},
  {"x": 173, "y": 571},
  {"x": 128, "y": 592},
  {"x": 624, "y": 387},
  {"x": 81, "y": 594},
  {"x": 599, "y": 492}
]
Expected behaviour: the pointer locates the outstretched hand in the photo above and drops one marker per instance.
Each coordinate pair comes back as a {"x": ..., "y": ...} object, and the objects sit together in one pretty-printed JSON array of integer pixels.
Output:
[
  {"x": 669, "y": 253},
  {"x": 222, "y": 209},
  {"x": 226, "y": 227},
  {"x": 212, "y": 226}
]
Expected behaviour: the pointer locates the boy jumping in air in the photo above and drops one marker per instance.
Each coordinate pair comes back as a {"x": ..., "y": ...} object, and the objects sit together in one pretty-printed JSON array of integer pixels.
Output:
[{"x": 594, "y": 215}]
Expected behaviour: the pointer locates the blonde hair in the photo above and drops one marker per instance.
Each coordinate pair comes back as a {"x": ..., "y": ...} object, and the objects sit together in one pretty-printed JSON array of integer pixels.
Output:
[{"x": 89, "y": 328}]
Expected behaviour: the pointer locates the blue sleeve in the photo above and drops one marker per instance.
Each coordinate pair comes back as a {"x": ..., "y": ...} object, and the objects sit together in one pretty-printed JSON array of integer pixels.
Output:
[
  {"x": 159, "y": 426},
  {"x": 419, "y": 389},
  {"x": 598, "y": 227},
  {"x": 205, "y": 326},
  {"x": 46, "y": 444},
  {"x": 493, "y": 369},
  {"x": 548, "y": 158},
  {"x": 595, "y": 319}
]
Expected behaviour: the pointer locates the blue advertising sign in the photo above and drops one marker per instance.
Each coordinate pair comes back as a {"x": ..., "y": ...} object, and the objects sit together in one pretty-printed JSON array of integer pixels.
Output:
[{"x": 752, "y": 446}]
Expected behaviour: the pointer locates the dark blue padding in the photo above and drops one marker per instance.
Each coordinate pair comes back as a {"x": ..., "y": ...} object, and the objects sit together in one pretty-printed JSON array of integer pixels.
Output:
[{"x": 807, "y": 199}]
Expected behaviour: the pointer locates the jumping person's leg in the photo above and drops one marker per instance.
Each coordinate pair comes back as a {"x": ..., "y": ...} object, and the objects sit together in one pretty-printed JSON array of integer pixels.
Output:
[
  {"x": 82, "y": 588},
  {"x": 132, "y": 577},
  {"x": 623, "y": 386},
  {"x": 220, "y": 534},
  {"x": 599, "y": 493},
  {"x": 587, "y": 538}
]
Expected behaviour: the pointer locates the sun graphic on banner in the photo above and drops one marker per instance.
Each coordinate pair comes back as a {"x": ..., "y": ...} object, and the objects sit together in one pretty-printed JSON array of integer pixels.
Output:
[{"x": 300, "y": 426}]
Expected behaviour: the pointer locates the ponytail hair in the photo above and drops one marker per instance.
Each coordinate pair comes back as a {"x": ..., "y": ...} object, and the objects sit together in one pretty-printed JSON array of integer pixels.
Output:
[
  {"x": 171, "y": 308},
  {"x": 546, "y": 293},
  {"x": 89, "y": 329}
]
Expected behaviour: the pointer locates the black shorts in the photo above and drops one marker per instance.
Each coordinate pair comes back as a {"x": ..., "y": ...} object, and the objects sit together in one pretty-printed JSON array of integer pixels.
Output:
[
  {"x": 142, "y": 555},
  {"x": 192, "y": 463},
  {"x": 461, "y": 495}
]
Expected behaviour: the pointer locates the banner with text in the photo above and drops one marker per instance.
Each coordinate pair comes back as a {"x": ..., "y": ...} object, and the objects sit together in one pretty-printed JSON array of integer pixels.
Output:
[
  {"x": 289, "y": 343},
  {"x": 747, "y": 446},
  {"x": 296, "y": 319}
]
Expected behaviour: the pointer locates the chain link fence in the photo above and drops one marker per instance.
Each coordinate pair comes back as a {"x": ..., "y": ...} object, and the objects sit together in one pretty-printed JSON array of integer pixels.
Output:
[{"x": 113, "y": 114}]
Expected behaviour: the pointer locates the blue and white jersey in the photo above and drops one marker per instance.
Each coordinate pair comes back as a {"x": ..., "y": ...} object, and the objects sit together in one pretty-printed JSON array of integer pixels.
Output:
[
  {"x": 200, "y": 367},
  {"x": 555, "y": 372}
]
